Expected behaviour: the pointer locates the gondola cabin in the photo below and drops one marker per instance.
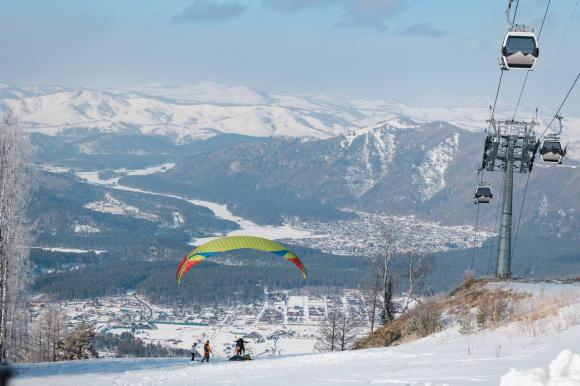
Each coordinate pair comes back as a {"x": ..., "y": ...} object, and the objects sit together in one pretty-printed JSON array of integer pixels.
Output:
[
  {"x": 483, "y": 194},
  {"x": 551, "y": 150},
  {"x": 520, "y": 49}
]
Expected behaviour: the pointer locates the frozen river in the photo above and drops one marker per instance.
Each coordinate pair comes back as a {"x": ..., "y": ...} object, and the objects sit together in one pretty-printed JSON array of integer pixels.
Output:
[{"x": 247, "y": 227}]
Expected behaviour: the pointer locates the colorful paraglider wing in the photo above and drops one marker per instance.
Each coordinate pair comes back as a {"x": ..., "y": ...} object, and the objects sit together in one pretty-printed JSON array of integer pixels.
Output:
[
  {"x": 290, "y": 256},
  {"x": 230, "y": 243}
]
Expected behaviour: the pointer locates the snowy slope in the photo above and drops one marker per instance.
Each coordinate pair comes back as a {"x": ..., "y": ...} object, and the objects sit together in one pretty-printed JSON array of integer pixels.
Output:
[
  {"x": 430, "y": 177},
  {"x": 508, "y": 355}
]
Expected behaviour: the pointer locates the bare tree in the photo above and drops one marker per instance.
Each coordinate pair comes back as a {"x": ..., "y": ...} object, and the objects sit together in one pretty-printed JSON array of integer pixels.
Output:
[
  {"x": 46, "y": 334},
  {"x": 418, "y": 266},
  {"x": 372, "y": 297},
  {"x": 328, "y": 333},
  {"x": 339, "y": 331},
  {"x": 382, "y": 270},
  {"x": 347, "y": 331},
  {"x": 13, "y": 229}
]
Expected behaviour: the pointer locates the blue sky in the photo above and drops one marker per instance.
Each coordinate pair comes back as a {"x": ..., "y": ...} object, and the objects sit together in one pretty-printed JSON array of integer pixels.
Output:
[{"x": 421, "y": 51}]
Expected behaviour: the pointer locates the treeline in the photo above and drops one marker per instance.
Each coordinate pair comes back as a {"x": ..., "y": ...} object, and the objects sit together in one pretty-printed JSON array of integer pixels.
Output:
[
  {"x": 211, "y": 283},
  {"x": 126, "y": 345},
  {"x": 208, "y": 283}
]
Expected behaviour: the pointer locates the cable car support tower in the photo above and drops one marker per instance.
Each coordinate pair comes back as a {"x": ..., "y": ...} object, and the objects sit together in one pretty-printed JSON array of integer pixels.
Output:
[{"x": 509, "y": 147}]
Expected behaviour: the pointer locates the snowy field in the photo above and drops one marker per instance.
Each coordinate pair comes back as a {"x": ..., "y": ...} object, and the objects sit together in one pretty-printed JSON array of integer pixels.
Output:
[
  {"x": 298, "y": 339},
  {"x": 436, "y": 360},
  {"x": 279, "y": 324},
  {"x": 509, "y": 355}
]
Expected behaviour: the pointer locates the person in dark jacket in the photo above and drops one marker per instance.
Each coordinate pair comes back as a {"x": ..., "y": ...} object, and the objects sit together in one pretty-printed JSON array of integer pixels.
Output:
[
  {"x": 240, "y": 346},
  {"x": 206, "y": 352}
]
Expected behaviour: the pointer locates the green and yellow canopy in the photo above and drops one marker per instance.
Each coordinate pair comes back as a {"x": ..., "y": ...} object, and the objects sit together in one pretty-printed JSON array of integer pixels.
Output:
[{"x": 231, "y": 243}]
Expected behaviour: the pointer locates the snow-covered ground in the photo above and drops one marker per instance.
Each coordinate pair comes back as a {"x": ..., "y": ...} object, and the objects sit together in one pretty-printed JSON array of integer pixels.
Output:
[
  {"x": 113, "y": 206},
  {"x": 70, "y": 250},
  {"x": 509, "y": 355}
]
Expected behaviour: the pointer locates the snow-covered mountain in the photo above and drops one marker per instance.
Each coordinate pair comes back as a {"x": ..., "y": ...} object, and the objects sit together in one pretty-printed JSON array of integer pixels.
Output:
[
  {"x": 208, "y": 108},
  {"x": 205, "y": 109}
]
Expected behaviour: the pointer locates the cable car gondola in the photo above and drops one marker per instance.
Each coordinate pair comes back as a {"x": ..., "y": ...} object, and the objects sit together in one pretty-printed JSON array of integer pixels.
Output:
[
  {"x": 520, "y": 48},
  {"x": 483, "y": 193},
  {"x": 551, "y": 150}
]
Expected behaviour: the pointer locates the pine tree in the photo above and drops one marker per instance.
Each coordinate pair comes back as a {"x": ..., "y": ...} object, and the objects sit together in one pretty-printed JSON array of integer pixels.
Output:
[{"x": 78, "y": 344}]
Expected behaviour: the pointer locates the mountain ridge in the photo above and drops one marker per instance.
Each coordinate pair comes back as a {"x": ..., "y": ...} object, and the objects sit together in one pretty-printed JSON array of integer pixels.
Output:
[{"x": 204, "y": 109}]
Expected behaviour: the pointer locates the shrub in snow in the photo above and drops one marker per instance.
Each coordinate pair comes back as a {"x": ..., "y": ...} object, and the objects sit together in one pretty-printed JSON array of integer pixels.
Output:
[
  {"x": 493, "y": 308},
  {"x": 425, "y": 319},
  {"x": 538, "y": 315},
  {"x": 465, "y": 320}
]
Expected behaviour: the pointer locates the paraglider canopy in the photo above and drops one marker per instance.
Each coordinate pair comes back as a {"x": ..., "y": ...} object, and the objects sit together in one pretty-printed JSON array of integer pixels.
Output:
[{"x": 231, "y": 243}]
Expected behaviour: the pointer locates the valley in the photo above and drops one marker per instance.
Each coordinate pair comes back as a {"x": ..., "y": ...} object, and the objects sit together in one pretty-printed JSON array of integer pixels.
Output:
[{"x": 290, "y": 192}]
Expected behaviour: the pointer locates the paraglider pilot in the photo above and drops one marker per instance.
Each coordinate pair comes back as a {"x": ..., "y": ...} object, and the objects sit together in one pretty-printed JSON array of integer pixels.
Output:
[{"x": 240, "y": 346}]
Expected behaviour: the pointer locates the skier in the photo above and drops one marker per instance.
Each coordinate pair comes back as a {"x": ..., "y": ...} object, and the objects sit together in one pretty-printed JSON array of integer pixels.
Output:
[
  {"x": 194, "y": 352},
  {"x": 206, "y": 352},
  {"x": 240, "y": 346}
]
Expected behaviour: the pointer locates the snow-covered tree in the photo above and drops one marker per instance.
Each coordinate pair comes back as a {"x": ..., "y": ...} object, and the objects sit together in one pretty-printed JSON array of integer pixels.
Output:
[
  {"x": 14, "y": 264},
  {"x": 78, "y": 343},
  {"x": 46, "y": 334}
]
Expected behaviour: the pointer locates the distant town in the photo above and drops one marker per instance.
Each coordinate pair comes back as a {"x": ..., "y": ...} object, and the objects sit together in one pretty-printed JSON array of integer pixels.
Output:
[{"x": 281, "y": 322}]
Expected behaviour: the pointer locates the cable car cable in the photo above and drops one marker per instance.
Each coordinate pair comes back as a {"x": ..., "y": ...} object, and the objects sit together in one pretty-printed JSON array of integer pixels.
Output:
[
  {"x": 496, "y": 96},
  {"x": 558, "y": 53},
  {"x": 561, "y": 105},
  {"x": 508, "y": 10},
  {"x": 515, "y": 12},
  {"x": 513, "y": 118},
  {"x": 520, "y": 97},
  {"x": 520, "y": 217},
  {"x": 544, "y": 19},
  {"x": 474, "y": 238},
  {"x": 528, "y": 72},
  {"x": 494, "y": 229}
]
